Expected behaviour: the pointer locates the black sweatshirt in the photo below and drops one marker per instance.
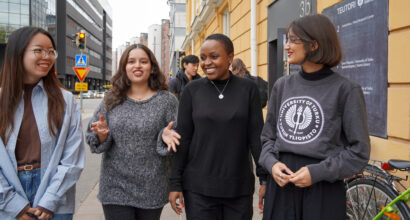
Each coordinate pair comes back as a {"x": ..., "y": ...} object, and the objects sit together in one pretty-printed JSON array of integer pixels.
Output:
[
  {"x": 320, "y": 115},
  {"x": 218, "y": 137}
]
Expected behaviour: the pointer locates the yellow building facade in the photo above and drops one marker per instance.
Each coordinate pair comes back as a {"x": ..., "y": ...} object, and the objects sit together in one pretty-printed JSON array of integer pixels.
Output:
[
  {"x": 397, "y": 144},
  {"x": 233, "y": 17}
]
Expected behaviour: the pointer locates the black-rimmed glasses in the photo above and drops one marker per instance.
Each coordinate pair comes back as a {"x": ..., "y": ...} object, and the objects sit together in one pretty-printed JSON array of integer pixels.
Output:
[
  {"x": 294, "y": 40},
  {"x": 42, "y": 53}
]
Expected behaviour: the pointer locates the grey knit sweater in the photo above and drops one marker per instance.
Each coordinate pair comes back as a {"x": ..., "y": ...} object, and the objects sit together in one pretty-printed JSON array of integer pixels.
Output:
[{"x": 134, "y": 168}]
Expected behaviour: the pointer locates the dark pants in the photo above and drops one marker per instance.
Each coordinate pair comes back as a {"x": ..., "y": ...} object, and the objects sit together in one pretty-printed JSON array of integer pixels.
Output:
[
  {"x": 114, "y": 212},
  {"x": 323, "y": 200},
  {"x": 200, "y": 207}
]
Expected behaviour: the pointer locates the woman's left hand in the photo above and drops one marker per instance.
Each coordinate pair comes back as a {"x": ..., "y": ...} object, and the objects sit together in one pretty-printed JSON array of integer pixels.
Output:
[
  {"x": 301, "y": 178},
  {"x": 170, "y": 137},
  {"x": 42, "y": 215}
]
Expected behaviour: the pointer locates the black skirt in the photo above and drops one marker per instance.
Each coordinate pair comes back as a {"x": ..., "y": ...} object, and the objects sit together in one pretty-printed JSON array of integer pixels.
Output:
[{"x": 322, "y": 200}]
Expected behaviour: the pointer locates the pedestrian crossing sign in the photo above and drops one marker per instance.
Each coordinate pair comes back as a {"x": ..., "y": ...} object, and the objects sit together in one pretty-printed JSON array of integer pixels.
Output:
[{"x": 81, "y": 60}]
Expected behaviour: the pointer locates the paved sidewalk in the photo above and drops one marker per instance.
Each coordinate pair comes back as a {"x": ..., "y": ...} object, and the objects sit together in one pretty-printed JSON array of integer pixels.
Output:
[{"x": 90, "y": 209}]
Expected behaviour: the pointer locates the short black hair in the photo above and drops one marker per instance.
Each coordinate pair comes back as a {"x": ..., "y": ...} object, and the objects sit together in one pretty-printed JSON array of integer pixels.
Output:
[
  {"x": 225, "y": 40},
  {"x": 189, "y": 59},
  {"x": 318, "y": 28}
]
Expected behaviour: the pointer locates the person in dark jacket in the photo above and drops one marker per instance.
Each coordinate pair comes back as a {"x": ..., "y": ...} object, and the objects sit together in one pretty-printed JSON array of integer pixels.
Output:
[
  {"x": 185, "y": 75},
  {"x": 238, "y": 68}
]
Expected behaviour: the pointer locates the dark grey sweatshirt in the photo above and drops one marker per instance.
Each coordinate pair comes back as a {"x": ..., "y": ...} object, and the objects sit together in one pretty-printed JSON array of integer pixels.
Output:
[
  {"x": 323, "y": 119},
  {"x": 134, "y": 169}
]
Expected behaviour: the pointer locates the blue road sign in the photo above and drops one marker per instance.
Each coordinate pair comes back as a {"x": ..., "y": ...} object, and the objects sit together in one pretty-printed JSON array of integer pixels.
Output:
[{"x": 81, "y": 60}]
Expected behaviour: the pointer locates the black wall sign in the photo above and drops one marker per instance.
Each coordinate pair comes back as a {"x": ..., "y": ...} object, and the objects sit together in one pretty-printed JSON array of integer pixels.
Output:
[{"x": 362, "y": 26}]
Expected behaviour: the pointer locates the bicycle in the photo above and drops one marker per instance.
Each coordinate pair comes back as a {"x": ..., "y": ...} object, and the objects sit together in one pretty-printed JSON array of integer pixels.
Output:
[{"x": 373, "y": 194}]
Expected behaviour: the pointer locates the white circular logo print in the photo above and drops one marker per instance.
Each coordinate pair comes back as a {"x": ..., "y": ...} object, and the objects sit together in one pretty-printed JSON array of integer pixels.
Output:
[{"x": 300, "y": 120}]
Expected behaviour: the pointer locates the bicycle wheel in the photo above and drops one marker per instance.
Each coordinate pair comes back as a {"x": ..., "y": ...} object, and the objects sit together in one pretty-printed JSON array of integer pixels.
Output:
[{"x": 365, "y": 198}]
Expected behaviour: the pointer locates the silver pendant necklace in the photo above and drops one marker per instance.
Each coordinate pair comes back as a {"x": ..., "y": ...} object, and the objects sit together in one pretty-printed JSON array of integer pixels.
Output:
[{"x": 221, "y": 95}]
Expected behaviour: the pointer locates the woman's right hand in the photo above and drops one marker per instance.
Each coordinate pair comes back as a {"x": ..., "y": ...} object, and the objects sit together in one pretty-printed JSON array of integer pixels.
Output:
[
  {"x": 25, "y": 216},
  {"x": 173, "y": 196},
  {"x": 101, "y": 128},
  {"x": 281, "y": 173}
]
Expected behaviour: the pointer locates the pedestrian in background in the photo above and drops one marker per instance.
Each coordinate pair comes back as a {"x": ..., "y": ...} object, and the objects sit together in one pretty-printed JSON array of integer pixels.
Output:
[
  {"x": 186, "y": 74},
  {"x": 239, "y": 68},
  {"x": 132, "y": 127},
  {"x": 316, "y": 132},
  {"x": 220, "y": 120},
  {"x": 42, "y": 144}
]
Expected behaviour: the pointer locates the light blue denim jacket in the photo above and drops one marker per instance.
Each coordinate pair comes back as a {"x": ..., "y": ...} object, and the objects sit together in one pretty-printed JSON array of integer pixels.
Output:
[{"x": 62, "y": 159}]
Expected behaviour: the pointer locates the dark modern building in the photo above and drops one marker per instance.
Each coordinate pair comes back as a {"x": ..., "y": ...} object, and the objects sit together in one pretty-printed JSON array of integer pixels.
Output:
[{"x": 63, "y": 19}]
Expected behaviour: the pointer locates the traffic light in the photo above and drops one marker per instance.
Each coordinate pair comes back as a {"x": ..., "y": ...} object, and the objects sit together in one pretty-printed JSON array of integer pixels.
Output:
[{"x": 80, "y": 40}]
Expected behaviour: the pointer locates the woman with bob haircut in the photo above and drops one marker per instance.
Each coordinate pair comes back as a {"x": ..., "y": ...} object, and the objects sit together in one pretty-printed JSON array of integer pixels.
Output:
[
  {"x": 315, "y": 133},
  {"x": 42, "y": 143},
  {"x": 132, "y": 127}
]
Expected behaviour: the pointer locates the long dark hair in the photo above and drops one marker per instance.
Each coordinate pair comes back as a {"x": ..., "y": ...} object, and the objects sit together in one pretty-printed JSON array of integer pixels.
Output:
[
  {"x": 12, "y": 82},
  {"x": 120, "y": 82}
]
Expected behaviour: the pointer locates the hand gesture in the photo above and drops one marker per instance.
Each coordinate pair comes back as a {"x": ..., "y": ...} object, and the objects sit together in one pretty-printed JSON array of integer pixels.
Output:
[
  {"x": 281, "y": 174},
  {"x": 173, "y": 196},
  {"x": 301, "y": 178},
  {"x": 101, "y": 128},
  {"x": 170, "y": 137}
]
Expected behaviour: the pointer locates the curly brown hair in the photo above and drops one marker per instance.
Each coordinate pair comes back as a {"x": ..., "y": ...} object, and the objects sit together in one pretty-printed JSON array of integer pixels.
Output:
[{"x": 120, "y": 82}]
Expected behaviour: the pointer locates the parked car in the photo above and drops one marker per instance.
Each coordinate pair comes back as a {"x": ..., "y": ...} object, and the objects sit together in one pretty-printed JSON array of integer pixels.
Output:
[
  {"x": 90, "y": 94},
  {"x": 100, "y": 94}
]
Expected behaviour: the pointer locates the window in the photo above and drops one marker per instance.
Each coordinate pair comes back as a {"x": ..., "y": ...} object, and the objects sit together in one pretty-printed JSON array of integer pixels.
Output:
[
  {"x": 94, "y": 9},
  {"x": 95, "y": 69},
  {"x": 179, "y": 19},
  {"x": 14, "y": 8},
  {"x": 94, "y": 54},
  {"x": 192, "y": 11},
  {"x": 14, "y": 18},
  {"x": 226, "y": 26},
  {"x": 4, "y": 7},
  {"x": 25, "y": 20},
  {"x": 4, "y": 18}
]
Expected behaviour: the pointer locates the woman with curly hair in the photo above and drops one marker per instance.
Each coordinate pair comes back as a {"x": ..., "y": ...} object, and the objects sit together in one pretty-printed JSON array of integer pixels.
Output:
[{"x": 132, "y": 127}]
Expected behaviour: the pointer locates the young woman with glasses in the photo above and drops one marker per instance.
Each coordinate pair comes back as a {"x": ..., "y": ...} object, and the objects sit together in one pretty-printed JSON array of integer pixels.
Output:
[
  {"x": 315, "y": 133},
  {"x": 42, "y": 144}
]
